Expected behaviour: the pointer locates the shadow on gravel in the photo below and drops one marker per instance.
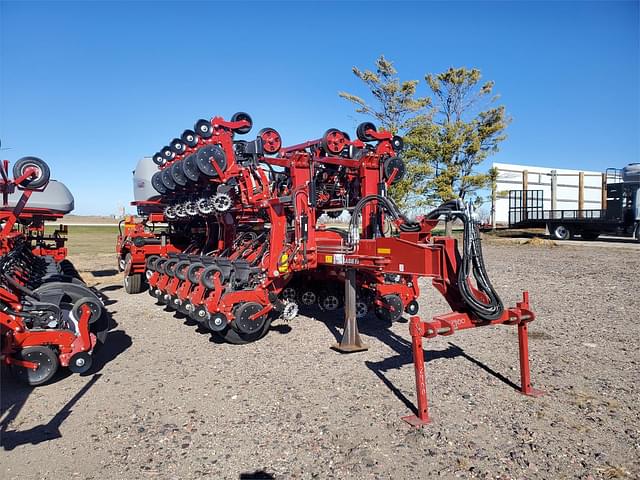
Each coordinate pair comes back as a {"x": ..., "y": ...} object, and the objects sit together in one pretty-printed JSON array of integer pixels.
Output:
[
  {"x": 257, "y": 475},
  {"x": 15, "y": 394},
  {"x": 15, "y": 400},
  {"x": 110, "y": 288},
  {"x": 373, "y": 327},
  {"x": 109, "y": 272}
]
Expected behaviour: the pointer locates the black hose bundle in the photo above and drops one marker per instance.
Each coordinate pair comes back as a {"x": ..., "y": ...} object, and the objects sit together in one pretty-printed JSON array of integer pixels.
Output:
[
  {"x": 389, "y": 206},
  {"x": 472, "y": 261}
]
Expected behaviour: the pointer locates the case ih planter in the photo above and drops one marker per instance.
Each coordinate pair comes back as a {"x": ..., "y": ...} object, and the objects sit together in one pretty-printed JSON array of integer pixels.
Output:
[
  {"x": 48, "y": 316},
  {"x": 242, "y": 245}
]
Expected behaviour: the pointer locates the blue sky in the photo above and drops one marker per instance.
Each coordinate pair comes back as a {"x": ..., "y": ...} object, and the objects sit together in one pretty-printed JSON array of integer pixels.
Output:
[{"x": 93, "y": 86}]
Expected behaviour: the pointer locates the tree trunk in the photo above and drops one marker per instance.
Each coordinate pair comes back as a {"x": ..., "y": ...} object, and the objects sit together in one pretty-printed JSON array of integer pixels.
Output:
[{"x": 448, "y": 228}]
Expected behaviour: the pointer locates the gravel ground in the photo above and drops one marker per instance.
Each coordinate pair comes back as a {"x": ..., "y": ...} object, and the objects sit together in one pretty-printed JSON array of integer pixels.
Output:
[{"x": 167, "y": 401}]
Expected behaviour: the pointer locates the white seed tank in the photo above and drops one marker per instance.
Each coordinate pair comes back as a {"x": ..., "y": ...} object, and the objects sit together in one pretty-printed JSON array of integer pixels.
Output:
[{"x": 142, "y": 189}]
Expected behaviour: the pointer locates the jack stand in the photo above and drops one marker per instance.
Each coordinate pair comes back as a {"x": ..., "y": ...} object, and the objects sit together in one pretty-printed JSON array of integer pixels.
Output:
[
  {"x": 351, "y": 341},
  {"x": 448, "y": 324}
]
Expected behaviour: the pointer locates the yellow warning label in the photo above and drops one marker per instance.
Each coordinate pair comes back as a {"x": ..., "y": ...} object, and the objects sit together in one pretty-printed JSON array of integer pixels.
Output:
[
  {"x": 384, "y": 250},
  {"x": 328, "y": 258}
]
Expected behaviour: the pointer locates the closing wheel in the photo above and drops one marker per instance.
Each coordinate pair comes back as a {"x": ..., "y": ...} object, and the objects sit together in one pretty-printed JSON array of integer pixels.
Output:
[
  {"x": 46, "y": 359},
  {"x": 208, "y": 154},
  {"x": 333, "y": 141},
  {"x": 80, "y": 362},
  {"x": 189, "y": 138},
  {"x": 394, "y": 164},
  {"x": 193, "y": 272},
  {"x": 181, "y": 269},
  {"x": 203, "y": 128},
  {"x": 42, "y": 173},
  {"x": 362, "y": 308},
  {"x": 391, "y": 310},
  {"x": 191, "y": 208},
  {"x": 361, "y": 131},
  {"x": 204, "y": 206},
  {"x": 561, "y": 232},
  {"x": 329, "y": 302},
  {"x": 271, "y": 140},
  {"x": 308, "y": 297},
  {"x": 190, "y": 168},
  {"x": 289, "y": 294},
  {"x": 221, "y": 202},
  {"x": 206, "y": 278},
  {"x": 239, "y": 116}
]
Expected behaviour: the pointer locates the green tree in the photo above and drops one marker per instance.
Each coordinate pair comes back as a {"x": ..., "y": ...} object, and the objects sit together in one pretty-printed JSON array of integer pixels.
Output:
[
  {"x": 447, "y": 134},
  {"x": 398, "y": 110},
  {"x": 467, "y": 128}
]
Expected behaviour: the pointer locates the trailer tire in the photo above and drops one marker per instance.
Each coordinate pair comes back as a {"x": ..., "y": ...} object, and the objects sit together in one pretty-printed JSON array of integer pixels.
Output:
[
  {"x": 42, "y": 175},
  {"x": 133, "y": 283},
  {"x": 560, "y": 232},
  {"x": 590, "y": 235}
]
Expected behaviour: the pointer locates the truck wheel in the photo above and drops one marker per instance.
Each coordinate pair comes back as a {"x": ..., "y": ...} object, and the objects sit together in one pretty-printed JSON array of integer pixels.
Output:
[
  {"x": 590, "y": 235},
  {"x": 560, "y": 232},
  {"x": 133, "y": 283},
  {"x": 637, "y": 233}
]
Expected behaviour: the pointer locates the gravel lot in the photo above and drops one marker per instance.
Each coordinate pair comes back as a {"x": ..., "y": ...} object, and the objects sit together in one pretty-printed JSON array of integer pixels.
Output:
[{"x": 167, "y": 401}]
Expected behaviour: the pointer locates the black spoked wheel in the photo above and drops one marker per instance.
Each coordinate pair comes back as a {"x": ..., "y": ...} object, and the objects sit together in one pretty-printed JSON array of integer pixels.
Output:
[{"x": 46, "y": 359}]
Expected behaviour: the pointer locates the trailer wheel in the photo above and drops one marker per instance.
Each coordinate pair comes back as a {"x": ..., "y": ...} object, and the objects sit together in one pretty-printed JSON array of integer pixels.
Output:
[
  {"x": 133, "y": 283},
  {"x": 42, "y": 172},
  {"x": 590, "y": 235},
  {"x": 46, "y": 359},
  {"x": 561, "y": 232}
]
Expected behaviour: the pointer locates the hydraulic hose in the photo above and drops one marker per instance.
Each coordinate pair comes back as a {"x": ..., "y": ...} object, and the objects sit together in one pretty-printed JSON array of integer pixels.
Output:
[{"x": 471, "y": 263}]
